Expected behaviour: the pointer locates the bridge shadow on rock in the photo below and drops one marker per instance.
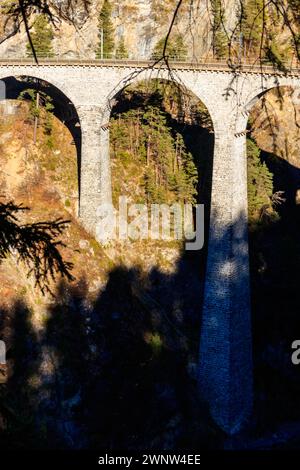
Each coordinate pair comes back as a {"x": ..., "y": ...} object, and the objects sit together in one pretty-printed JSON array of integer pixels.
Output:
[
  {"x": 127, "y": 361},
  {"x": 18, "y": 395},
  {"x": 115, "y": 373},
  {"x": 119, "y": 371}
]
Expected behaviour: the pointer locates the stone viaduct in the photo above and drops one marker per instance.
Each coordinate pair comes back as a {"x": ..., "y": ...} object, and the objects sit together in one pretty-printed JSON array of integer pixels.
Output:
[{"x": 225, "y": 365}]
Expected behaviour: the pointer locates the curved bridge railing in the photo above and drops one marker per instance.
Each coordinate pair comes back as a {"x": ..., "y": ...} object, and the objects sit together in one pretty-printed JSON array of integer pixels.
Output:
[{"x": 212, "y": 65}]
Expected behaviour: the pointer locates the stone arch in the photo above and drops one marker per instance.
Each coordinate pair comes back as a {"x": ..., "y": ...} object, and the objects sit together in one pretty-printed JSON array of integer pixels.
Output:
[
  {"x": 46, "y": 74},
  {"x": 272, "y": 146},
  {"x": 94, "y": 109},
  {"x": 156, "y": 74},
  {"x": 64, "y": 109},
  {"x": 257, "y": 93}
]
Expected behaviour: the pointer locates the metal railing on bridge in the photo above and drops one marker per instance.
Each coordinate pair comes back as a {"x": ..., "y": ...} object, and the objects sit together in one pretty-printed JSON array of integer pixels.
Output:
[{"x": 246, "y": 65}]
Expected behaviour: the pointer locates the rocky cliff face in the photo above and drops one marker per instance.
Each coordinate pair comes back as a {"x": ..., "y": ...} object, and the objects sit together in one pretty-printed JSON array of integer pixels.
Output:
[
  {"x": 141, "y": 22},
  {"x": 275, "y": 122}
]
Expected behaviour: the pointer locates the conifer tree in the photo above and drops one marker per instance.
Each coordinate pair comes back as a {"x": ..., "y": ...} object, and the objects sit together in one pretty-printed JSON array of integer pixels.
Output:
[
  {"x": 176, "y": 48},
  {"x": 295, "y": 7},
  {"x": 40, "y": 109},
  {"x": 143, "y": 136},
  {"x": 180, "y": 47},
  {"x": 260, "y": 180},
  {"x": 42, "y": 36},
  {"x": 106, "y": 32},
  {"x": 252, "y": 24},
  {"x": 219, "y": 36},
  {"x": 121, "y": 52},
  {"x": 276, "y": 54}
]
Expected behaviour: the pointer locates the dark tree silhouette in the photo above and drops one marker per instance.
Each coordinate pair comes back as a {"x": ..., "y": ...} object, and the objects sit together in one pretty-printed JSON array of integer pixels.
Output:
[{"x": 36, "y": 245}]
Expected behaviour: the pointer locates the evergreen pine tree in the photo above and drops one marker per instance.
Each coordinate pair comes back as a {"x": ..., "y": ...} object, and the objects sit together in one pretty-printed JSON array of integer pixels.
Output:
[
  {"x": 121, "y": 52},
  {"x": 176, "y": 48},
  {"x": 295, "y": 7},
  {"x": 276, "y": 54},
  {"x": 42, "y": 36},
  {"x": 40, "y": 109},
  {"x": 219, "y": 35},
  {"x": 142, "y": 137},
  {"x": 181, "y": 51},
  {"x": 253, "y": 17},
  {"x": 106, "y": 32},
  {"x": 260, "y": 180}
]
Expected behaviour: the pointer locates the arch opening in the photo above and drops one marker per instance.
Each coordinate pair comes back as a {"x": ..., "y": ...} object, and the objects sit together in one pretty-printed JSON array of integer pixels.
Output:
[
  {"x": 273, "y": 157},
  {"x": 161, "y": 148},
  {"x": 160, "y": 106},
  {"x": 43, "y": 135}
]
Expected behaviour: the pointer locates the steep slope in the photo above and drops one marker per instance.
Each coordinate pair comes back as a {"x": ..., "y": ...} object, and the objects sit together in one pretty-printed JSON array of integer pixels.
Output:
[{"x": 44, "y": 178}]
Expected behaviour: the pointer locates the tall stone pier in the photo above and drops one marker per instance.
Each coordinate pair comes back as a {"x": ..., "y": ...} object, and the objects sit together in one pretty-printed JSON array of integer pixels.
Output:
[
  {"x": 225, "y": 361},
  {"x": 95, "y": 175}
]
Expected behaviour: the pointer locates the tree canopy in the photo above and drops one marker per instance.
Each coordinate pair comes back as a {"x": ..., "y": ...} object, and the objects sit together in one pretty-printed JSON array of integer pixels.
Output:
[{"x": 42, "y": 36}]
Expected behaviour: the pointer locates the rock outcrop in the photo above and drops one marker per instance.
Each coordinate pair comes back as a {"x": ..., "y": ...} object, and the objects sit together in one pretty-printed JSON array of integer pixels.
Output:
[{"x": 142, "y": 23}]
